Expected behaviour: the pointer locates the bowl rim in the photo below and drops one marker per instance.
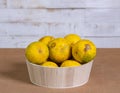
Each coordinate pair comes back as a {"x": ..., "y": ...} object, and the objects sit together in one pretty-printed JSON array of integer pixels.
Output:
[{"x": 37, "y": 65}]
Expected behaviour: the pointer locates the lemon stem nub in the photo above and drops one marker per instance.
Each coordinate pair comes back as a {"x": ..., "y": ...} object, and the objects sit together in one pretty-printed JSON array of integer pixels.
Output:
[
  {"x": 53, "y": 45},
  {"x": 40, "y": 51},
  {"x": 87, "y": 47}
]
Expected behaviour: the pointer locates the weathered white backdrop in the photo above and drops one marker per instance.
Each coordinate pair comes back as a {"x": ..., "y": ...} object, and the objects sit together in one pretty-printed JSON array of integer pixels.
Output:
[{"x": 24, "y": 21}]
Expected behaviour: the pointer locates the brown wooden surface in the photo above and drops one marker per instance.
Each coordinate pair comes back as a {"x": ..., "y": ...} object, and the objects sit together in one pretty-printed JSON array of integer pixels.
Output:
[{"x": 104, "y": 78}]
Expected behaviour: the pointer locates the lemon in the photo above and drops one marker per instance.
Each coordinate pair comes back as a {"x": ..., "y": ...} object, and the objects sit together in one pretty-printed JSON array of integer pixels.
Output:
[
  {"x": 59, "y": 50},
  {"x": 70, "y": 63},
  {"x": 49, "y": 64},
  {"x": 72, "y": 38},
  {"x": 84, "y": 51},
  {"x": 37, "y": 52},
  {"x": 46, "y": 39}
]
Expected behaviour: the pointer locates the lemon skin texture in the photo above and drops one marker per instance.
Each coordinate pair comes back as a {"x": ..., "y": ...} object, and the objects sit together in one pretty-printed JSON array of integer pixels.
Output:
[
  {"x": 59, "y": 50},
  {"x": 72, "y": 38},
  {"x": 70, "y": 63},
  {"x": 46, "y": 39},
  {"x": 49, "y": 64},
  {"x": 84, "y": 51},
  {"x": 37, "y": 52}
]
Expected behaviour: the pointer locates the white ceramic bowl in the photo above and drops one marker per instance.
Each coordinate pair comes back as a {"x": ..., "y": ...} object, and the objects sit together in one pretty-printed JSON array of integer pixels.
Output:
[{"x": 62, "y": 77}]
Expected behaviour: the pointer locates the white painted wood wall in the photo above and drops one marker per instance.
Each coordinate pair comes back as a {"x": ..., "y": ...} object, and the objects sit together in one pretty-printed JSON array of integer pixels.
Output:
[{"x": 24, "y": 21}]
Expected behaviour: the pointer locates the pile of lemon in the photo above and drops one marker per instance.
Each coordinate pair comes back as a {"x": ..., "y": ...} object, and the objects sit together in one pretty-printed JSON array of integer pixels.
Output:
[{"x": 67, "y": 51}]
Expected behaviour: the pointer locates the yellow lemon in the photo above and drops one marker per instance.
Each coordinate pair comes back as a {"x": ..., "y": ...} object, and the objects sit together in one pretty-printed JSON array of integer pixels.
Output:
[
  {"x": 72, "y": 38},
  {"x": 46, "y": 39},
  {"x": 70, "y": 63},
  {"x": 59, "y": 50},
  {"x": 37, "y": 52},
  {"x": 49, "y": 64},
  {"x": 84, "y": 51}
]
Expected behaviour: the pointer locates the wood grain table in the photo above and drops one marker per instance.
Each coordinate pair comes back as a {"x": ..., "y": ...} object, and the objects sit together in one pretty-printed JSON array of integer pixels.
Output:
[{"x": 104, "y": 78}]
